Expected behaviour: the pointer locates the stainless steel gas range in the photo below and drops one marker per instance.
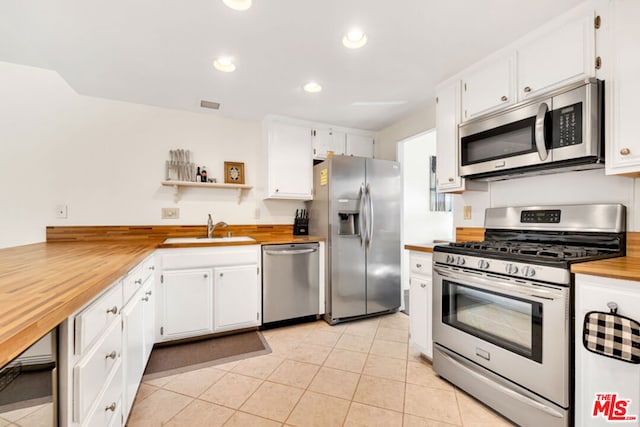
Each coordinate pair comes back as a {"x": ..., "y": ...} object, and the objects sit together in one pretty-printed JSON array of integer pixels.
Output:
[{"x": 503, "y": 307}]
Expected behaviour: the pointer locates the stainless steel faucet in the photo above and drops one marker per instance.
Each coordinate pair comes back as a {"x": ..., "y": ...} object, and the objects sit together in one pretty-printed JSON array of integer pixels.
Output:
[{"x": 211, "y": 227}]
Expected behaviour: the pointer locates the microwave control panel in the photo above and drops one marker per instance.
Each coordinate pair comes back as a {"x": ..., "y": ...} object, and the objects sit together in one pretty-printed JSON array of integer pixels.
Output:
[{"x": 567, "y": 125}]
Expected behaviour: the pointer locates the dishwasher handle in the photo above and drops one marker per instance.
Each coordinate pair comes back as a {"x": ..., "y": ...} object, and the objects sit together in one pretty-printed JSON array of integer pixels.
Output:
[{"x": 290, "y": 251}]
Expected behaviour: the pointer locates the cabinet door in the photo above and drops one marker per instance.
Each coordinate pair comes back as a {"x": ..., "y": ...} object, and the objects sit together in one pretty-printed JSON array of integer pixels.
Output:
[
  {"x": 132, "y": 349},
  {"x": 420, "y": 314},
  {"x": 359, "y": 145},
  {"x": 447, "y": 120},
  {"x": 560, "y": 56},
  {"x": 325, "y": 140},
  {"x": 488, "y": 88},
  {"x": 237, "y": 297},
  {"x": 599, "y": 374},
  {"x": 149, "y": 319},
  {"x": 187, "y": 308},
  {"x": 289, "y": 162},
  {"x": 623, "y": 144}
]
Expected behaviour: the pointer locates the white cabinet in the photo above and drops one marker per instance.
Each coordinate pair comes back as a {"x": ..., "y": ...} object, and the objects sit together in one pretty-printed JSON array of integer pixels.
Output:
[
  {"x": 132, "y": 349},
  {"x": 596, "y": 374},
  {"x": 359, "y": 145},
  {"x": 557, "y": 56},
  {"x": 622, "y": 89},
  {"x": 208, "y": 290},
  {"x": 187, "y": 308},
  {"x": 326, "y": 140},
  {"x": 237, "y": 297},
  {"x": 289, "y": 161},
  {"x": 488, "y": 87},
  {"x": 447, "y": 120},
  {"x": 420, "y": 302},
  {"x": 148, "y": 319}
]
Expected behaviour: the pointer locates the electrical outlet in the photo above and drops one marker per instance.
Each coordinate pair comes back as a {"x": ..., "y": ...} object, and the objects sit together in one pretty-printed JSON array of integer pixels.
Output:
[
  {"x": 170, "y": 213},
  {"x": 467, "y": 212},
  {"x": 61, "y": 211}
]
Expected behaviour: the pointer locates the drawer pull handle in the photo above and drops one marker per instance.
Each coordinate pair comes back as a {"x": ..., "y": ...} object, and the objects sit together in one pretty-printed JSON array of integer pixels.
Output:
[
  {"x": 625, "y": 151},
  {"x": 113, "y": 310},
  {"x": 153, "y": 267},
  {"x": 418, "y": 265},
  {"x": 145, "y": 299},
  {"x": 503, "y": 98},
  {"x": 527, "y": 89},
  {"x": 111, "y": 407},
  {"x": 139, "y": 281},
  {"x": 148, "y": 293},
  {"x": 450, "y": 179},
  {"x": 423, "y": 285},
  {"x": 111, "y": 355}
]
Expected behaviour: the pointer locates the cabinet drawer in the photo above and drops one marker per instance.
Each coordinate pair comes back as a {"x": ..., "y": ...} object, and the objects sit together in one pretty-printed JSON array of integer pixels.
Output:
[
  {"x": 108, "y": 411},
  {"x": 93, "y": 370},
  {"x": 132, "y": 283},
  {"x": 93, "y": 320},
  {"x": 148, "y": 267},
  {"x": 421, "y": 264}
]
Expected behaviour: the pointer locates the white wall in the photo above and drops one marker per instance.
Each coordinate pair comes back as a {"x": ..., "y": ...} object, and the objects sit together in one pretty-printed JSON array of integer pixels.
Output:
[
  {"x": 387, "y": 138},
  {"x": 562, "y": 188},
  {"x": 105, "y": 160}
]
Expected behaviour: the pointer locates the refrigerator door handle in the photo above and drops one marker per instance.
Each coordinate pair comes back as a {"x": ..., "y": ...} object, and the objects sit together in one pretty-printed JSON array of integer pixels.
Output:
[
  {"x": 370, "y": 216},
  {"x": 362, "y": 223}
]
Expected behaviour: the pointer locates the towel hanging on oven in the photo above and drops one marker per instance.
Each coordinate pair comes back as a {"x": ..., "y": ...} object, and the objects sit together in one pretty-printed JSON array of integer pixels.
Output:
[{"x": 612, "y": 335}]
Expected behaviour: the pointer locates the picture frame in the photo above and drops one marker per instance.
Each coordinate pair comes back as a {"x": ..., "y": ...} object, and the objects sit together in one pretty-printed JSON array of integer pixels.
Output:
[{"x": 233, "y": 173}]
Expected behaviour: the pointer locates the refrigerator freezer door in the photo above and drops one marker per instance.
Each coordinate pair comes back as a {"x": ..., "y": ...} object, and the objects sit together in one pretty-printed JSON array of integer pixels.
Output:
[
  {"x": 383, "y": 218},
  {"x": 348, "y": 285}
]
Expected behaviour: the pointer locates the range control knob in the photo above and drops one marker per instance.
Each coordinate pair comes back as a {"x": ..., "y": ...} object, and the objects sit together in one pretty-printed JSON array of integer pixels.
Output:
[
  {"x": 450, "y": 259},
  {"x": 483, "y": 264},
  {"x": 528, "y": 271},
  {"x": 460, "y": 261},
  {"x": 511, "y": 269}
]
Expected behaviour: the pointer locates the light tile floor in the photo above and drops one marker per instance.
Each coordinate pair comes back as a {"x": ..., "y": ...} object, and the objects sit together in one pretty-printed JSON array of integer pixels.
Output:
[{"x": 361, "y": 373}]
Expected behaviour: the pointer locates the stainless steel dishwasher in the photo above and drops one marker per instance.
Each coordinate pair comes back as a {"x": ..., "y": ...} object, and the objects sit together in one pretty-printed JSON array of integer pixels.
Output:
[{"x": 290, "y": 276}]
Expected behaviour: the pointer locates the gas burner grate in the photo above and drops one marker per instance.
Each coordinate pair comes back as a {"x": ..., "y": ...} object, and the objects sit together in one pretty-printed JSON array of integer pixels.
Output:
[{"x": 547, "y": 251}]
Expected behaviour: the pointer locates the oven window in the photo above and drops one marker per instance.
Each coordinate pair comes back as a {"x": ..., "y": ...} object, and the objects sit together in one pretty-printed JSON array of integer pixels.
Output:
[
  {"x": 509, "y": 322},
  {"x": 504, "y": 141}
]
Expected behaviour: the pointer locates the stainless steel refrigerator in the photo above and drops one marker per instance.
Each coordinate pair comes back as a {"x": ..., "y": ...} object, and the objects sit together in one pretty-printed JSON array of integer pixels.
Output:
[{"x": 356, "y": 207}]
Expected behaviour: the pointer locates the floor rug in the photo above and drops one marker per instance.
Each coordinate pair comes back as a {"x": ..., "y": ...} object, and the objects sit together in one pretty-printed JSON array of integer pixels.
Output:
[{"x": 188, "y": 356}]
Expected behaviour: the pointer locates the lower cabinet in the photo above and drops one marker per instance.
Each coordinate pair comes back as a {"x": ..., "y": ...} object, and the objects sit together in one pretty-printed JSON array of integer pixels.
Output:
[
  {"x": 237, "y": 297},
  {"x": 132, "y": 349},
  {"x": 208, "y": 290},
  {"x": 420, "y": 303}
]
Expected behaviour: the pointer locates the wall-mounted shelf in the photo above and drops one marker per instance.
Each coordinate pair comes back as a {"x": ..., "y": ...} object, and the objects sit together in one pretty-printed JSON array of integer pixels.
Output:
[{"x": 178, "y": 184}]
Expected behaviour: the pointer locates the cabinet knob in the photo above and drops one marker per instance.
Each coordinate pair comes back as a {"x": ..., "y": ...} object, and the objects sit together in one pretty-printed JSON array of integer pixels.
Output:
[
  {"x": 277, "y": 190},
  {"x": 148, "y": 293},
  {"x": 613, "y": 307},
  {"x": 625, "y": 151},
  {"x": 113, "y": 310},
  {"x": 527, "y": 89},
  {"x": 111, "y": 355},
  {"x": 206, "y": 275},
  {"x": 153, "y": 267},
  {"x": 111, "y": 407},
  {"x": 221, "y": 274},
  {"x": 450, "y": 179},
  {"x": 138, "y": 282},
  {"x": 145, "y": 299},
  {"x": 503, "y": 98},
  {"x": 418, "y": 265},
  {"x": 423, "y": 285}
]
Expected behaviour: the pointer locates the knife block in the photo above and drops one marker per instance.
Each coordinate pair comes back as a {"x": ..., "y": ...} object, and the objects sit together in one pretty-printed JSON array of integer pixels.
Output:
[{"x": 301, "y": 227}]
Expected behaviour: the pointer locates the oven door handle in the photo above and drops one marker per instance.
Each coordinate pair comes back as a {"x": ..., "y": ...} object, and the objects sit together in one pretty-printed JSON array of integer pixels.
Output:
[
  {"x": 525, "y": 288},
  {"x": 501, "y": 388}
]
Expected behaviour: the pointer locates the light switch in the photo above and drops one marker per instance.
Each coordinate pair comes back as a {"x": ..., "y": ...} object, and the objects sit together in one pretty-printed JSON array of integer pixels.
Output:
[
  {"x": 170, "y": 213},
  {"x": 467, "y": 212}
]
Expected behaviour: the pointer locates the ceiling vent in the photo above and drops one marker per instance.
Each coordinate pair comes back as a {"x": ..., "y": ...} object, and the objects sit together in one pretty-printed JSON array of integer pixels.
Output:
[{"x": 209, "y": 104}]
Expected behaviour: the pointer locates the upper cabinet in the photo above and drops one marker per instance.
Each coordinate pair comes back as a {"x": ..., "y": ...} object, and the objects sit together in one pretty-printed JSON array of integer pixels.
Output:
[
  {"x": 359, "y": 145},
  {"x": 289, "y": 161},
  {"x": 488, "y": 87},
  {"x": 622, "y": 88},
  {"x": 559, "y": 55},
  {"x": 447, "y": 120},
  {"x": 325, "y": 140}
]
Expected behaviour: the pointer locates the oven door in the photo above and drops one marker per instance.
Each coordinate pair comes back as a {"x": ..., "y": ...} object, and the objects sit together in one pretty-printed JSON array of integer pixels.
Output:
[
  {"x": 518, "y": 329},
  {"x": 512, "y": 139}
]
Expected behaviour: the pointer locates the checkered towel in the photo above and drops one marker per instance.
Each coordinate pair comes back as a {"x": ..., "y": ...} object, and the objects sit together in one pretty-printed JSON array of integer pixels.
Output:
[{"x": 612, "y": 335}]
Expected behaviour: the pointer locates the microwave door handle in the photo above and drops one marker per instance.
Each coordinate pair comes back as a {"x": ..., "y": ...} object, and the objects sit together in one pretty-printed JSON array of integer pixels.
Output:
[{"x": 541, "y": 144}]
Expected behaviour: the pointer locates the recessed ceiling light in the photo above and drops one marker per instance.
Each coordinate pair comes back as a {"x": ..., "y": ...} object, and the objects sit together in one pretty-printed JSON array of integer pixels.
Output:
[
  {"x": 224, "y": 63},
  {"x": 312, "y": 87},
  {"x": 238, "y": 4},
  {"x": 354, "y": 39}
]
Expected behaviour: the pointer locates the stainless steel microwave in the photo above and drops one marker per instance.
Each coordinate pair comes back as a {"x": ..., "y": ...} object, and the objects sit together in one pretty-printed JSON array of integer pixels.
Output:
[{"x": 560, "y": 131}]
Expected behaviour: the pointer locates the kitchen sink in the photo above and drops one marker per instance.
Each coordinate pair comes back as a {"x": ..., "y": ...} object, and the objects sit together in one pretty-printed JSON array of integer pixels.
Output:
[{"x": 195, "y": 240}]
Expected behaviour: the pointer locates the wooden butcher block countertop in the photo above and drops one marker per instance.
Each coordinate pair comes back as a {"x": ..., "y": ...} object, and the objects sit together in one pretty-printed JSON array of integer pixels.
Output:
[
  {"x": 44, "y": 283},
  {"x": 625, "y": 268}
]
